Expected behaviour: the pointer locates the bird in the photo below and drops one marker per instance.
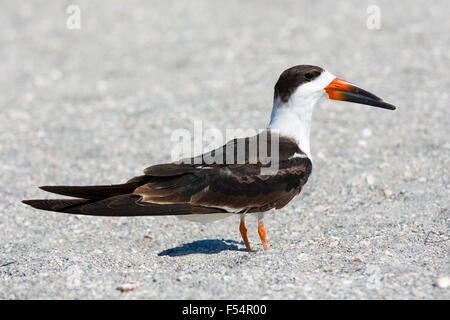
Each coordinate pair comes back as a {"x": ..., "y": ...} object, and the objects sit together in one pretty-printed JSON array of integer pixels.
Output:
[{"x": 215, "y": 185}]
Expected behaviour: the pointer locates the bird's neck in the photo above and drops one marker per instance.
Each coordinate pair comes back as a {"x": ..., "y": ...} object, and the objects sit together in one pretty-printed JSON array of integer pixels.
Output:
[{"x": 293, "y": 119}]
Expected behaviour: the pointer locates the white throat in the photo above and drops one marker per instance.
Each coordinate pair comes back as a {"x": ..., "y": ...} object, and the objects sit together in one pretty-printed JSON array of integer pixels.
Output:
[{"x": 293, "y": 118}]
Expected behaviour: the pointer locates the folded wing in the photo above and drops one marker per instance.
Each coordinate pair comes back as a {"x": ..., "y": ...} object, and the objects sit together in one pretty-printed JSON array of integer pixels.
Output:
[{"x": 207, "y": 184}]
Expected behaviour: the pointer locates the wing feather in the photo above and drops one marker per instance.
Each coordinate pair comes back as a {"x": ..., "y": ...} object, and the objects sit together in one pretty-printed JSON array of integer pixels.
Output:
[{"x": 206, "y": 184}]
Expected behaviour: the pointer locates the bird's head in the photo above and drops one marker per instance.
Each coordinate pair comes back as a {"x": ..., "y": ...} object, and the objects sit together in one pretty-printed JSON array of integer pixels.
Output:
[
  {"x": 296, "y": 93},
  {"x": 308, "y": 83}
]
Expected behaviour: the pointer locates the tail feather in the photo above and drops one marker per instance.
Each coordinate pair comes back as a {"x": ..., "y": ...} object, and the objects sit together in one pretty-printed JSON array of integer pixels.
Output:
[
  {"x": 118, "y": 206},
  {"x": 59, "y": 205},
  {"x": 89, "y": 192},
  {"x": 98, "y": 192}
]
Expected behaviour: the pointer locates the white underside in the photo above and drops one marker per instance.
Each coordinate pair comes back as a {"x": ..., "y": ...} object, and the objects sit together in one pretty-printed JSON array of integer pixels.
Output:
[
  {"x": 211, "y": 217},
  {"x": 205, "y": 218}
]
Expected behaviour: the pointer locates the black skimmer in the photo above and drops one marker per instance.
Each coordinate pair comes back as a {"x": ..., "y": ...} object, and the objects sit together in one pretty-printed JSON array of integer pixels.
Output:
[{"x": 197, "y": 188}]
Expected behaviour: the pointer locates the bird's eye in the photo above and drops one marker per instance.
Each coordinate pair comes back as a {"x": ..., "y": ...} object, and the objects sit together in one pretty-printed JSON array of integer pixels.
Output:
[{"x": 309, "y": 75}]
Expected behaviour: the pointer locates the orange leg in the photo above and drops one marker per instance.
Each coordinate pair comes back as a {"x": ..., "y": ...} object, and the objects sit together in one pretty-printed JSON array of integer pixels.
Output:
[
  {"x": 262, "y": 232},
  {"x": 243, "y": 231}
]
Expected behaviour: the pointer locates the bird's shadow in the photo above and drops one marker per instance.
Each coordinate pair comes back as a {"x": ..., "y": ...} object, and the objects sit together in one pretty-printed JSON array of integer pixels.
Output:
[{"x": 208, "y": 246}]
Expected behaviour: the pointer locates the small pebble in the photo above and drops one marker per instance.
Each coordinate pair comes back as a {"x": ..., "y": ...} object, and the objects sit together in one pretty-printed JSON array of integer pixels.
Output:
[
  {"x": 128, "y": 287},
  {"x": 370, "y": 179},
  {"x": 388, "y": 193},
  {"x": 367, "y": 132},
  {"x": 443, "y": 282}
]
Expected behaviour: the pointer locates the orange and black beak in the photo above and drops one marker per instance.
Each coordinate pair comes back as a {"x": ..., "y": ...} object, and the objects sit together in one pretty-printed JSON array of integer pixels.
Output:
[{"x": 339, "y": 89}]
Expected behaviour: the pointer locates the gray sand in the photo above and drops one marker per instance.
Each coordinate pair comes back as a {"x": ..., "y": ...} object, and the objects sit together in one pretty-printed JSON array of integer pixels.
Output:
[{"x": 99, "y": 104}]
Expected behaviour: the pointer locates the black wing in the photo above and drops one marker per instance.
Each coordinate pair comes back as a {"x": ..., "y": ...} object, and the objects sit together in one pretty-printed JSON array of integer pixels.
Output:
[{"x": 200, "y": 185}]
